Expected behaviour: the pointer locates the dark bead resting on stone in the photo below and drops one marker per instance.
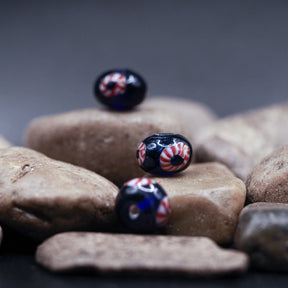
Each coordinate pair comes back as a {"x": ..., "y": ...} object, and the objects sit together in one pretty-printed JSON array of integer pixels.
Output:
[
  {"x": 164, "y": 154},
  {"x": 120, "y": 89},
  {"x": 142, "y": 205}
]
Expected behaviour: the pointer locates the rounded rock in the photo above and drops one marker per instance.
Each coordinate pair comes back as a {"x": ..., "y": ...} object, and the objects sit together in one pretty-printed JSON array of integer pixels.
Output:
[
  {"x": 164, "y": 154},
  {"x": 142, "y": 205},
  {"x": 41, "y": 197},
  {"x": 268, "y": 180},
  {"x": 120, "y": 89},
  {"x": 206, "y": 200},
  {"x": 102, "y": 141}
]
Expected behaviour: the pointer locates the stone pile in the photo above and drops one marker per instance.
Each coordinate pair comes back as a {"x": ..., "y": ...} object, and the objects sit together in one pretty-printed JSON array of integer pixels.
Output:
[{"x": 42, "y": 195}]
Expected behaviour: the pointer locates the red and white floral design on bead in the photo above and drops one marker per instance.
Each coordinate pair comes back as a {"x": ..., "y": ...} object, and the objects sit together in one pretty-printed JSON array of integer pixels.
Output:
[
  {"x": 163, "y": 212},
  {"x": 139, "y": 182},
  {"x": 141, "y": 153},
  {"x": 180, "y": 149},
  {"x": 118, "y": 87}
]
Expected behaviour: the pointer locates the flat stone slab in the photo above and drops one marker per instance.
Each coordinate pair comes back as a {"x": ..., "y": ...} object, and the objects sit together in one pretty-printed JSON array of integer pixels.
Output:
[
  {"x": 103, "y": 141},
  {"x": 4, "y": 143},
  {"x": 124, "y": 253},
  {"x": 243, "y": 140},
  {"x": 41, "y": 196},
  {"x": 268, "y": 180},
  {"x": 205, "y": 200},
  {"x": 262, "y": 233}
]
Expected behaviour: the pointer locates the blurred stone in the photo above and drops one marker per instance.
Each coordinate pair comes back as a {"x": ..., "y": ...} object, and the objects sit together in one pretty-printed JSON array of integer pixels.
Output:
[
  {"x": 205, "y": 200},
  {"x": 41, "y": 196},
  {"x": 4, "y": 143},
  {"x": 268, "y": 180},
  {"x": 194, "y": 116},
  {"x": 100, "y": 140},
  {"x": 124, "y": 253},
  {"x": 262, "y": 232},
  {"x": 243, "y": 140}
]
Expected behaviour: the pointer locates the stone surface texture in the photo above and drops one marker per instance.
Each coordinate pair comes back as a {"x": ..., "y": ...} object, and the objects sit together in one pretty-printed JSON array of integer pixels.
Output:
[
  {"x": 41, "y": 196},
  {"x": 243, "y": 140},
  {"x": 100, "y": 140},
  {"x": 205, "y": 200},
  {"x": 4, "y": 143},
  {"x": 268, "y": 181},
  {"x": 262, "y": 232},
  {"x": 194, "y": 116},
  {"x": 124, "y": 253}
]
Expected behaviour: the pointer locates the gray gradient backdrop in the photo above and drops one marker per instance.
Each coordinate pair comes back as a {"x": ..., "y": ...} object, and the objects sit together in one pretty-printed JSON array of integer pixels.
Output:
[{"x": 231, "y": 55}]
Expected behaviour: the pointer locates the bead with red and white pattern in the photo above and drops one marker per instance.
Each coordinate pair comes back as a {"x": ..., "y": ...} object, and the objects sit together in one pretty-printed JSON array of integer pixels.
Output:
[
  {"x": 164, "y": 154},
  {"x": 120, "y": 89},
  {"x": 142, "y": 205}
]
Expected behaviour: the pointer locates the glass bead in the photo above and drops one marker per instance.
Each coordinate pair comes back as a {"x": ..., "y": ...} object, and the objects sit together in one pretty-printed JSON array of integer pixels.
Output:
[
  {"x": 142, "y": 205},
  {"x": 164, "y": 154},
  {"x": 120, "y": 89}
]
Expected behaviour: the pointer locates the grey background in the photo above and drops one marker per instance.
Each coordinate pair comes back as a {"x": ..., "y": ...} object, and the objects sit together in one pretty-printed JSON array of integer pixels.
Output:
[{"x": 231, "y": 55}]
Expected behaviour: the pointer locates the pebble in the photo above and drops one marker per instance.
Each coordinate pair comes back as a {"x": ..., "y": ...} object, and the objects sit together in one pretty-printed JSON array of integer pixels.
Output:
[
  {"x": 206, "y": 200},
  {"x": 41, "y": 196},
  {"x": 243, "y": 140},
  {"x": 126, "y": 253},
  {"x": 4, "y": 143},
  {"x": 262, "y": 232},
  {"x": 106, "y": 141},
  {"x": 102, "y": 141},
  {"x": 268, "y": 180}
]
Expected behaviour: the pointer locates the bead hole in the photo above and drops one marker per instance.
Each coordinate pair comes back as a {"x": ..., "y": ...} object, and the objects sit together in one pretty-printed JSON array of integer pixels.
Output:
[
  {"x": 134, "y": 212},
  {"x": 177, "y": 160}
]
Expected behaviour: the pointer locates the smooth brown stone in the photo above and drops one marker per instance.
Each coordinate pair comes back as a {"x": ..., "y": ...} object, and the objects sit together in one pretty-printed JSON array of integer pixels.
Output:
[
  {"x": 194, "y": 116},
  {"x": 4, "y": 143},
  {"x": 242, "y": 141},
  {"x": 205, "y": 200},
  {"x": 41, "y": 196},
  {"x": 268, "y": 180},
  {"x": 262, "y": 232},
  {"x": 124, "y": 253},
  {"x": 100, "y": 140}
]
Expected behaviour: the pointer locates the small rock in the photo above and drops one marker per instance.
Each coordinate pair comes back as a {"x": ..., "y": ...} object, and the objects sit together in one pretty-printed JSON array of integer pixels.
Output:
[
  {"x": 268, "y": 180},
  {"x": 243, "y": 140},
  {"x": 205, "y": 200},
  {"x": 41, "y": 196},
  {"x": 194, "y": 116},
  {"x": 102, "y": 141},
  {"x": 104, "y": 253},
  {"x": 4, "y": 143},
  {"x": 262, "y": 232}
]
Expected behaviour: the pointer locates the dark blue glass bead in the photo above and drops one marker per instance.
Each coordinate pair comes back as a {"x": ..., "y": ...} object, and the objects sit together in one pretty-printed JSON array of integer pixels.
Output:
[
  {"x": 164, "y": 154},
  {"x": 120, "y": 89},
  {"x": 142, "y": 205}
]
